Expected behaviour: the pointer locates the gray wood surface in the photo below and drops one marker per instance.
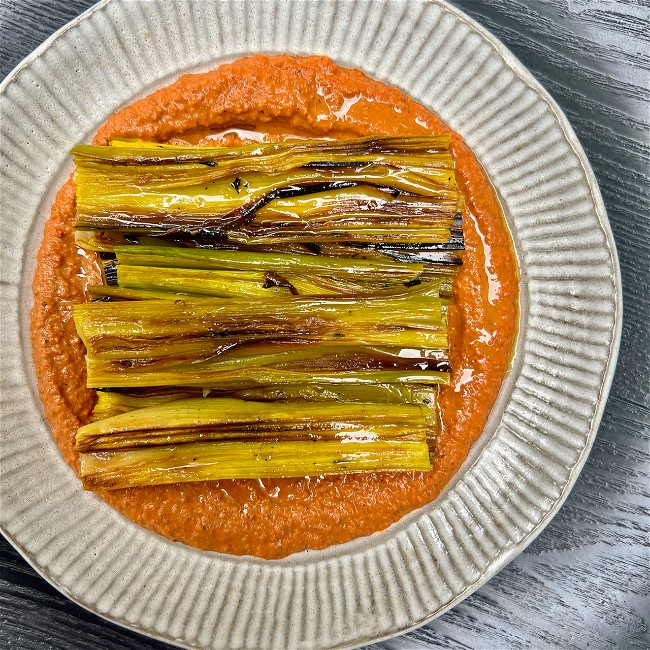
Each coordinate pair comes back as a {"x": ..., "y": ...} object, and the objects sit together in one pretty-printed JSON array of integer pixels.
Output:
[{"x": 584, "y": 583}]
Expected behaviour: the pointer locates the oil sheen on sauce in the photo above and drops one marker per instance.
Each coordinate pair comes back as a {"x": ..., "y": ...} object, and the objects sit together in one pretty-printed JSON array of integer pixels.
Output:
[{"x": 261, "y": 99}]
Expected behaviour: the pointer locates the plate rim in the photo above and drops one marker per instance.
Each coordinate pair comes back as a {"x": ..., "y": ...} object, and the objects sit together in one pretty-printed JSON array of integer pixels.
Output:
[{"x": 512, "y": 62}]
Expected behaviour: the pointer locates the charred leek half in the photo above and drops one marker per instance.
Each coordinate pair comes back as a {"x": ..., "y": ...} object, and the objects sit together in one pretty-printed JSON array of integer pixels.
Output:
[
  {"x": 388, "y": 190},
  {"x": 203, "y": 439},
  {"x": 273, "y": 310},
  {"x": 201, "y": 461}
]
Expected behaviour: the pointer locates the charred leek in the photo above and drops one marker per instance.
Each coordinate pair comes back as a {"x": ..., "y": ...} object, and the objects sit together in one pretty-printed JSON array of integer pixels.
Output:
[
  {"x": 208, "y": 439},
  {"x": 370, "y": 190},
  {"x": 208, "y": 461}
]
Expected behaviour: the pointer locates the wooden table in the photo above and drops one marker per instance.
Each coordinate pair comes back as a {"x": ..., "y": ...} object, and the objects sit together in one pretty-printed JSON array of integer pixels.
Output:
[{"x": 583, "y": 583}]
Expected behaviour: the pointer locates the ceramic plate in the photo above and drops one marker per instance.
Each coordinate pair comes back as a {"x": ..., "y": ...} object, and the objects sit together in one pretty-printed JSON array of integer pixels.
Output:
[{"x": 541, "y": 429}]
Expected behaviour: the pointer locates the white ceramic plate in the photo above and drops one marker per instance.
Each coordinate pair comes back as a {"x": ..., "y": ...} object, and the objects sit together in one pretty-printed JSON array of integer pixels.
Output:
[{"x": 540, "y": 432}]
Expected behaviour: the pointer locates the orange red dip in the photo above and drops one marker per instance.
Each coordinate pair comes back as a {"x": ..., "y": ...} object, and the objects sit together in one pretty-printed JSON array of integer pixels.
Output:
[{"x": 271, "y": 98}]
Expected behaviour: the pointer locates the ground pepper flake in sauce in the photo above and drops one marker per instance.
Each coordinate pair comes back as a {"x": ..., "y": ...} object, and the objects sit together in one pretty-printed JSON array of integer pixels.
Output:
[{"x": 272, "y": 98}]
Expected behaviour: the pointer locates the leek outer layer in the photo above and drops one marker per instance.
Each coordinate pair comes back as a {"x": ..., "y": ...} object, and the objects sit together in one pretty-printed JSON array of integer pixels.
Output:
[{"x": 214, "y": 418}]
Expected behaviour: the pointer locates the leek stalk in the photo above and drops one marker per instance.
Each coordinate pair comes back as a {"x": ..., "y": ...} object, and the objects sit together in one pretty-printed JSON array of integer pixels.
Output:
[
  {"x": 209, "y": 461},
  {"x": 367, "y": 190}
]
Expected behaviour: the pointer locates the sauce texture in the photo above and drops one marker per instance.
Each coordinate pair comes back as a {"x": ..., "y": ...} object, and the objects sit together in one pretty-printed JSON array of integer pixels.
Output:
[{"x": 264, "y": 98}]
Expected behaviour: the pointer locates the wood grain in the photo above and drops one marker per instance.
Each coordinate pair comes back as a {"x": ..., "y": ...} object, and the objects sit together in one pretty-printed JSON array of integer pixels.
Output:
[{"x": 584, "y": 582}]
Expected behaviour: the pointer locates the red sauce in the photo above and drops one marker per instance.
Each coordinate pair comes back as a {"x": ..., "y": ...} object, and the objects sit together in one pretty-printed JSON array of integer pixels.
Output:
[{"x": 272, "y": 98}]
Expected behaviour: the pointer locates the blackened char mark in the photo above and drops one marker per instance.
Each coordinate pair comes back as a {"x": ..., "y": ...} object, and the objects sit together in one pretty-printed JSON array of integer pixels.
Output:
[
  {"x": 276, "y": 280},
  {"x": 110, "y": 273}
]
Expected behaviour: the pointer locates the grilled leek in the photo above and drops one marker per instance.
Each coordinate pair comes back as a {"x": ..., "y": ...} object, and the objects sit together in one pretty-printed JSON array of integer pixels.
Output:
[
  {"x": 368, "y": 190},
  {"x": 209, "y": 461}
]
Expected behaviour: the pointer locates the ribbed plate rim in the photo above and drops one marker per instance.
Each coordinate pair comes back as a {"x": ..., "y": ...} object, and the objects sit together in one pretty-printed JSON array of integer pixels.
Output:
[{"x": 494, "y": 567}]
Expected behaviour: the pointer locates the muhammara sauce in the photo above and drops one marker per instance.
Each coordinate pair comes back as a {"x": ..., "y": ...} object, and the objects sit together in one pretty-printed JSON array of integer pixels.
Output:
[{"x": 269, "y": 99}]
